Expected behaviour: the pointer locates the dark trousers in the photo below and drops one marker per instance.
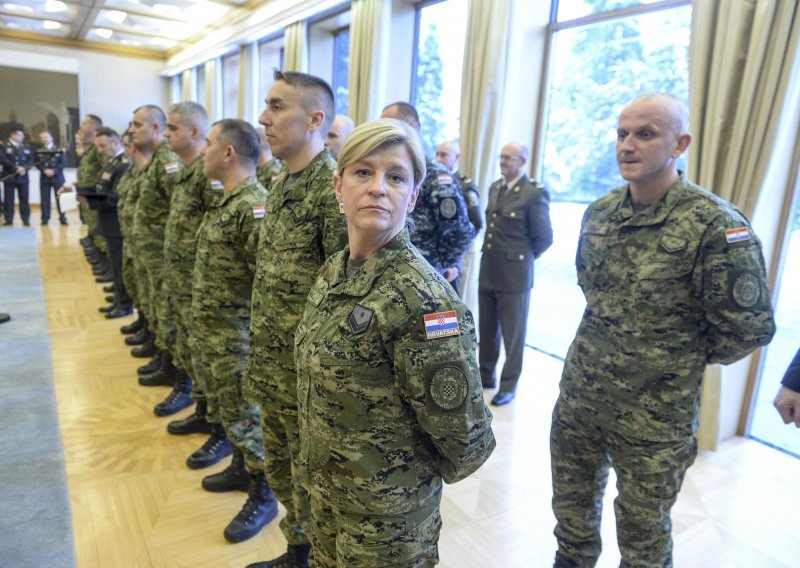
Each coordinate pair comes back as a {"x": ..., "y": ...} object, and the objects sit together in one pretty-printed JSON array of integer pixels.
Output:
[
  {"x": 45, "y": 187},
  {"x": 8, "y": 200},
  {"x": 121, "y": 296},
  {"x": 502, "y": 314}
]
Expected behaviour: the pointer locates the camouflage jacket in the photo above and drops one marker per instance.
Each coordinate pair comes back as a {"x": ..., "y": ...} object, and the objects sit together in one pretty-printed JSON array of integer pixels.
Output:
[
  {"x": 89, "y": 168},
  {"x": 303, "y": 228},
  {"x": 668, "y": 290},
  {"x": 268, "y": 173},
  {"x": 224, "y": 267},
  {"x": 191, "y": 197},
  {"x": 441, "y": 231},
  {"x": 473, "y": 200},
  {"x": 389, "y": 405},
  {"x": 128, "y": 193},
  {"x": 152, "y": 207}
]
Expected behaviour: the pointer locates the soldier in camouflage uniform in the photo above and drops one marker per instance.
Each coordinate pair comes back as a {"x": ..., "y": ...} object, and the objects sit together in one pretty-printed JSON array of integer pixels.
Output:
[
  {"x": 674, "y": 279},
  {"x": 187, "y": 126},
  {"x": 303, "y": 228},
  {"x": 149, "y": 225},
  {"x": 441, "y": 228},
  {"x": 390, "y": 400},
  {"x": 221, "y": 294},
  {"x": 448, "y": 154},
  {"x": 268, "y": 166}
]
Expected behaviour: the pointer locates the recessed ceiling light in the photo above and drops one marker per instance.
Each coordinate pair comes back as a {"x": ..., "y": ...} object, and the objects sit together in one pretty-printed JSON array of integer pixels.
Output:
[
  {"x": 104, "y": 32},
  {"x": 53, "y": 6},
  {"x": 51, "y": 25},
  {"x": 18, "y": 8},
  {"x": 130, "y": 42},
  {"x": 162, "y": 41},
  {"x": 116, "y": 16}
]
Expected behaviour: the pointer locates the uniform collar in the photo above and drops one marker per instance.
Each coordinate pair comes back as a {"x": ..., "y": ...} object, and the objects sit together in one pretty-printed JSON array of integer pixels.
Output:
[
  {"x": 657, "y": 212},
  {"x": 361, "y": 282},
  {"x": 308, "y": 173},
  {"x": 225, "y": 197}
]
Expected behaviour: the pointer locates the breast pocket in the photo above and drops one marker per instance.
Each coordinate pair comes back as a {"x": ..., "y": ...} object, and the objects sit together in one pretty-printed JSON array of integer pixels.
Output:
[{"x": 665, "y": 278}]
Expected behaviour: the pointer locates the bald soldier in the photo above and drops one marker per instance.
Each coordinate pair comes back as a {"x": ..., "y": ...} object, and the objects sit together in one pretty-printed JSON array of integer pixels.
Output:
[
  {"x": 340, "y": 129},
  {"x": 674, "y": 280}
]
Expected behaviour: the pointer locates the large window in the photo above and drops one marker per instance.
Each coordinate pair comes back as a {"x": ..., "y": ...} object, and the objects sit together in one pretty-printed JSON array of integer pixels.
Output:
[
  {"x": 230, "y": 85},
  {"x": 595, "y": 69},
  {"x": 596, "y": 66},
  {"x": 341, "y": 69},
  {"x": 436, "y": 90}
]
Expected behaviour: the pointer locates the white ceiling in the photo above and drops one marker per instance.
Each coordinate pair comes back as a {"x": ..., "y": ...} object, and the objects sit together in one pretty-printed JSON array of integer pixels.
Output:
[{"x": 148, "y": 27}]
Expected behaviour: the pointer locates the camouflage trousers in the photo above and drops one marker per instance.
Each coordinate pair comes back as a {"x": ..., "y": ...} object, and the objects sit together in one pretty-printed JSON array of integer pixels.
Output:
[
  {"x": 89, "y": 217},
  {"x": 281, "y": 465},
  {"x": 221, "y": 373},
  {"x": 183, "y": 342},
  {"x": 129, "y": 275},
  {"x": 649, "y": 477},
  {"x": 162, "y": 323},
  {"x": 343, "y": 539}
]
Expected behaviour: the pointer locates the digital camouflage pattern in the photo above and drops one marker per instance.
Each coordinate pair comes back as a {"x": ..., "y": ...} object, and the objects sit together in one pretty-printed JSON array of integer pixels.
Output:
[
  {"x": 472, "y": 198},
  {"x": 191, "y": 197},
  {"x": 221, "y": 293},
  {"x": 441, "y": 231},
  {"x": 128, "y": 193},
  {"x": 666, "y": 294},
  {"x": 669, "y": 289},
  {"x": 149, "y": 226},
  {"x": 386, "y": 411},
  {"x": 303, "y": 228},
  {"x": 268, "y": 173},
  {"x": 89, "y": 169}
]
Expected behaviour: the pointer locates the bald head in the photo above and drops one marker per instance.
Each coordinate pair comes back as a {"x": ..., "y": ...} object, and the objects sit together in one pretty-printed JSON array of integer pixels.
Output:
[
  {"x": 513, "y": 157},
  {"x": 402, "y": 111},
  {"x": 670, "y": 108},
  {"x": 340, "y": 129},
  {"x": 449, "y": 154}
]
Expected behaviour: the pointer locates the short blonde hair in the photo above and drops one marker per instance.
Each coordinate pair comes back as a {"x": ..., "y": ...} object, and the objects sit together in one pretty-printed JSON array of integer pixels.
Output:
[{"x": 376, "y": 135}]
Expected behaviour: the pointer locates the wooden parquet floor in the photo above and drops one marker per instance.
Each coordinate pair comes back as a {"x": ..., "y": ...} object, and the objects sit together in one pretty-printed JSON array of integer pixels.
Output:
[{"x": 135, "y": 503}]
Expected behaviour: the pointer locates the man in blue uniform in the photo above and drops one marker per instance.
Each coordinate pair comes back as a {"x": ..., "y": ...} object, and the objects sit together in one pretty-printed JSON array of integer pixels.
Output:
[{"x": 16, "y": 158}]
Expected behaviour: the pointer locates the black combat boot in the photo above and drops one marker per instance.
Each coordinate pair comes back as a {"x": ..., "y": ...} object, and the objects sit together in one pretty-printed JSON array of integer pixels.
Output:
[
  {"x": 193, "y": 424},
  {"x": 164, "y": 376},
  {"x": 296, "y": 557},
  {"x": 179, "y": 398},
  {"x": 133, "y": 327},
  {"x": 146, "y": 349},
  {"x": 259, "y": 509},
  {"x": 232, "y": 478},
  {"x": 140, "y": 337},
  {"x": 216, "y": 448},
  {"x": 152, "y": 365}
]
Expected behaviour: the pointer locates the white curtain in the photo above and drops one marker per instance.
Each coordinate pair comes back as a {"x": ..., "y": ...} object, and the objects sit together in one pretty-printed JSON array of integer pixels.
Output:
[
  {"x": 741, "y": 58},
  {"x": 484, "y": 79},
  {"x": 213, "y": 76},
  {"x": 370, "y": 22},
  {"x": 248, "y": 105},
  {"x": 295, "y": 47},
  {"x": 188, "y": 85}
]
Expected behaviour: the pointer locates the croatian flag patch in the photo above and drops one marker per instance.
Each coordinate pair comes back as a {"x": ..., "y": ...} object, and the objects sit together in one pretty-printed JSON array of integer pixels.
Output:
[
  {"x": 258, "y": 212},
  {"x": 737, "y": 235},
  {"x": 441, "y": 324},
  {"x": 216, "y": 184},
  {"x": 172, "y": 167}
]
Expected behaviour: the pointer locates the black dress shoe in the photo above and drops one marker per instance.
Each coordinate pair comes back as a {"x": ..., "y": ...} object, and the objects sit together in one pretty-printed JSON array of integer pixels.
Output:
[
  {"x": 193, "y": 424},
  {"x": 119, "y": 312},
  {"x": 108, "y": 289},
  {"x": 63, "y": 220},
  {"x": 133, "y": 327},
  {"x": 104, "y": 278},
  {"x": 146, "y": 349},
  {"x": 217, "y": 447},
  {"x": 138, "y": 338},
  {"x": 107, "y": 309},
  {"x": 503, "y": 397},
  {"x": 44, "y": 222}
]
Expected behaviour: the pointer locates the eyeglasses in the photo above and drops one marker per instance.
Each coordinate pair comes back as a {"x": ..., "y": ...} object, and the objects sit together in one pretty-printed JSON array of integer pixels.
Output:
[{"x": 507, "y": 157}]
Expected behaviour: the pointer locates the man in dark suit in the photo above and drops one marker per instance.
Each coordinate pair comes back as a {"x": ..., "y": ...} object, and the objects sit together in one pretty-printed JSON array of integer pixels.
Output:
[
  {"x": 17, "y": 159},
  {"x": 518, "y": 231},
  {"x": 103, "y": 199},
  {"x": 51, "y": 162}
]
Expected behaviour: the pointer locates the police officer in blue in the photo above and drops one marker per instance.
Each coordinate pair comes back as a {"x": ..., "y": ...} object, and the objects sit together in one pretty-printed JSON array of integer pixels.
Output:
[
  {"x": 17, "y": 159},
  {"x": 51, "y": 162},
  {"x": 441, "y": 228}
]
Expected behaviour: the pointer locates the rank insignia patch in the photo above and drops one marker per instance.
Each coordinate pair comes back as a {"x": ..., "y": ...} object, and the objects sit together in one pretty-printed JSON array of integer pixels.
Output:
[
  {"x": 359, "y": 319},
  {"x": 448, "y": 388},
  {"x": 441, "y": 324}
]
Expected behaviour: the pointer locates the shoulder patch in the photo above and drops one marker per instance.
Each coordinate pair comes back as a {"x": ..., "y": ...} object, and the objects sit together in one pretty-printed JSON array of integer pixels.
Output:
[
  {"x": 448, "y": 208},
  {"x": 172, "y": 167},
  {"x": 258, "y": 212},
  {"x": 746, "y": 290},
  {"x": 216, "y": 184},
  {"x": 441, "y": 324},
  {"x": 444, "y": 179},
  {"x": 737, "y": 235},
  {"x": 448, "y": 388},
  {"x": 359, "y": 319}
]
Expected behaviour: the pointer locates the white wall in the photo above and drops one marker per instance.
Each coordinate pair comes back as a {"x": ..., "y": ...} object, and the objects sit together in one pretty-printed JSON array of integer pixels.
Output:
[{"x": 110, "y": 86}]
